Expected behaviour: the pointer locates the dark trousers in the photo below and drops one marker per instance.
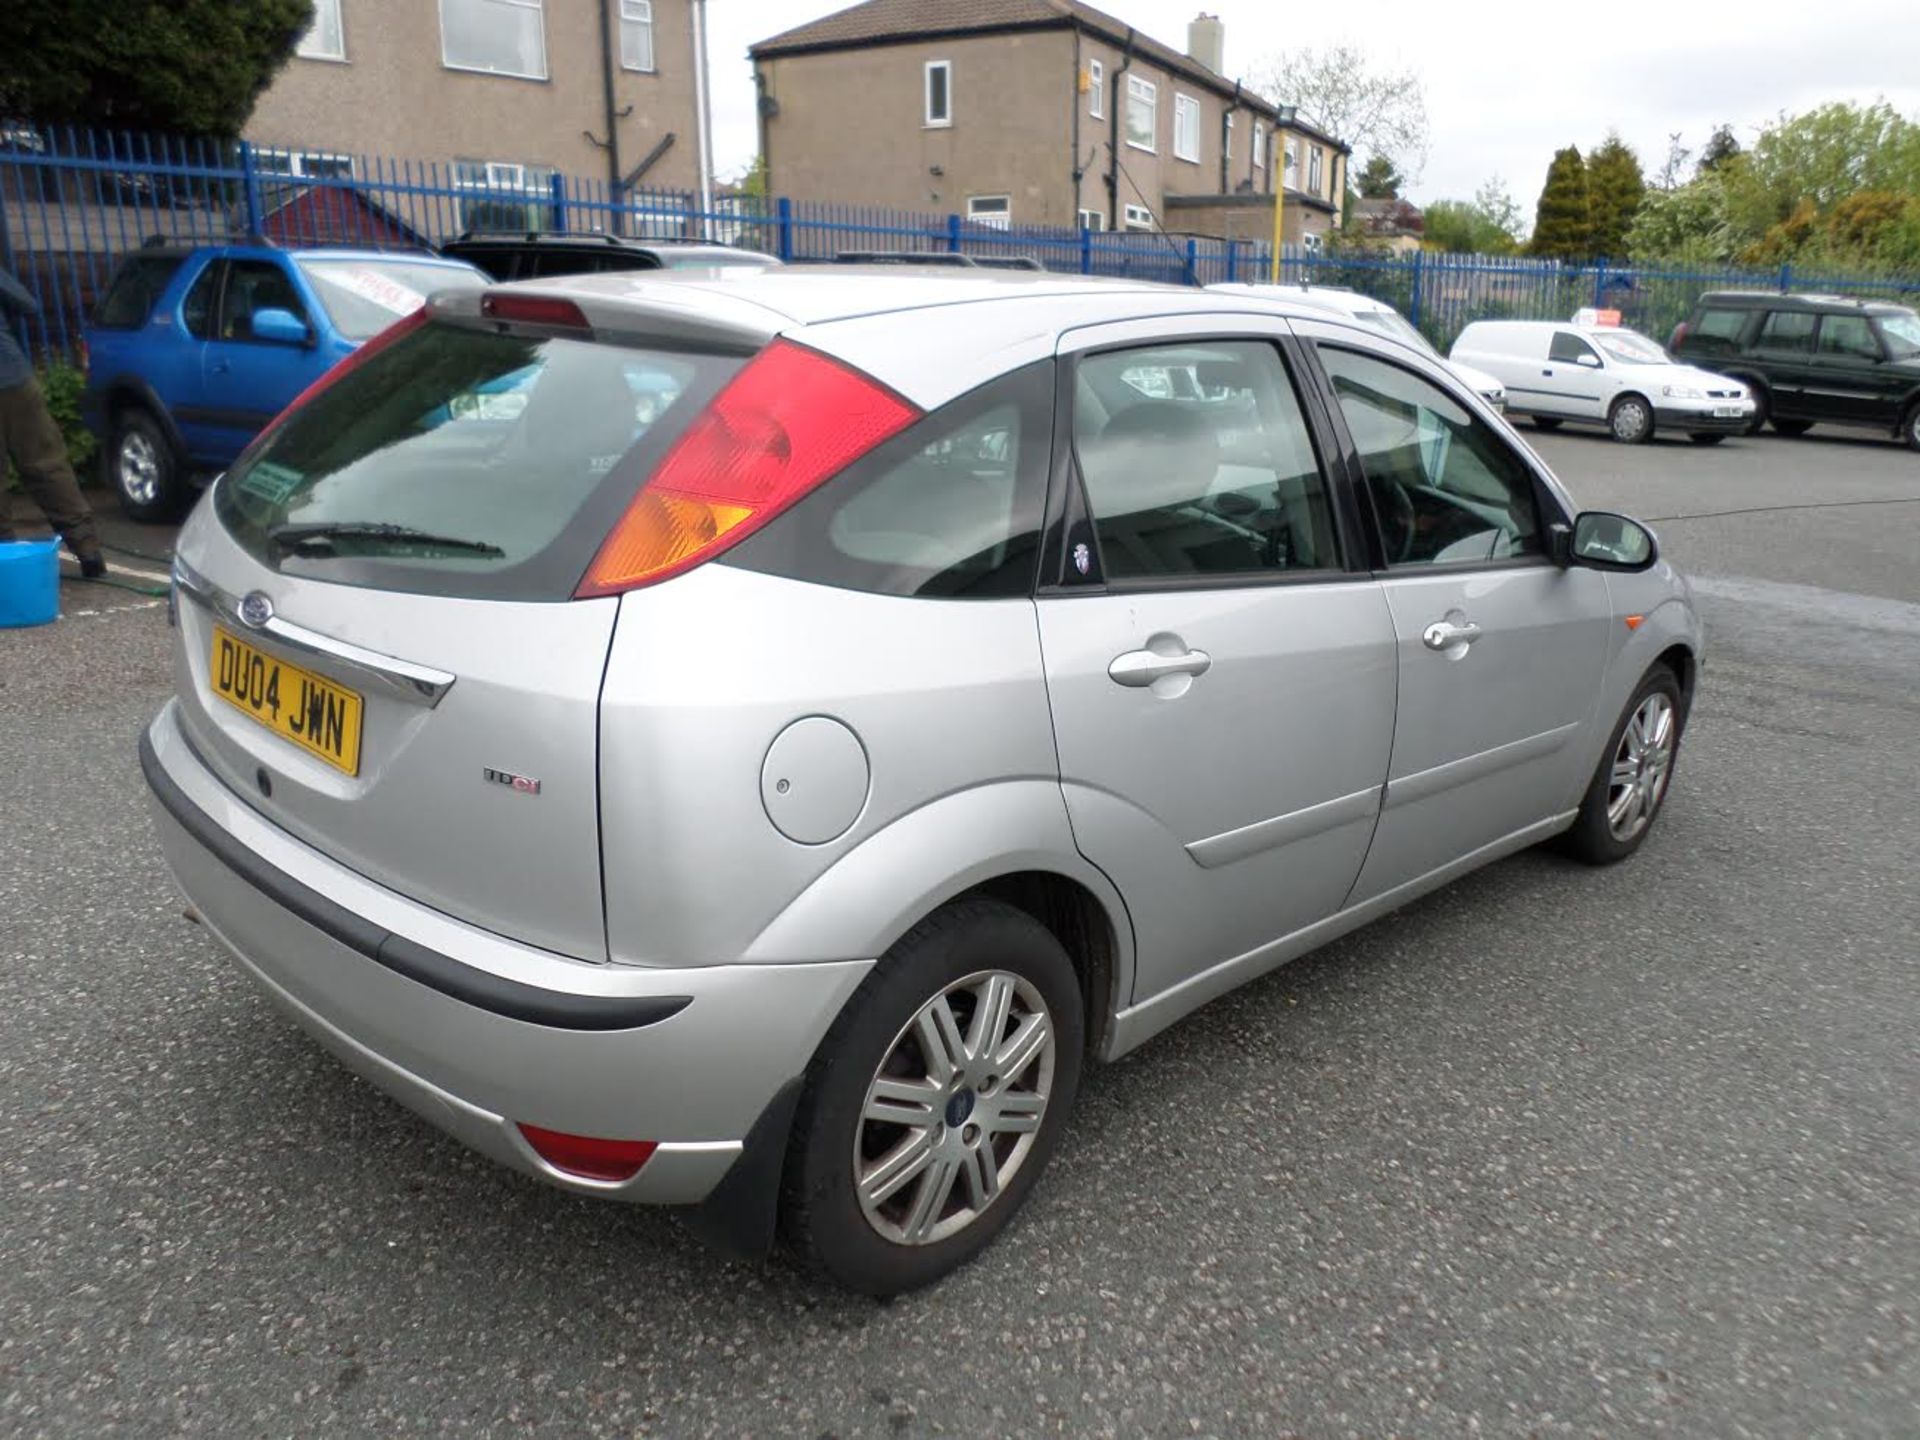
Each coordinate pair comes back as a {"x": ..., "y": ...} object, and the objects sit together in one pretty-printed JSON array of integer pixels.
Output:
[{"x": 30, "y": 438}]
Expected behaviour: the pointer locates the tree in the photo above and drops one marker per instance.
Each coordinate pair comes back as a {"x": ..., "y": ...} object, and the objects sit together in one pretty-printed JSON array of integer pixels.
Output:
[
  {"x": 1677, "y": 157},
  {"x": 1822, "y": 156},
  {"x": 1376, "y": 111},
  {"x": 1615, "y": 188},
  {"x": 1379, "y": 180},
  {"x": 188, "y": 65},
  {"x": 1686, "y": 224},
  {"x": 1721, "y": 147},
  {"x": 1488, "y": 224},
  {"x": 1563, "y": 220}
]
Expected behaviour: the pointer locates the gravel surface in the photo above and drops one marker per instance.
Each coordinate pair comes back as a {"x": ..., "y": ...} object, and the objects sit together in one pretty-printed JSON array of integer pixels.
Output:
[{"x": 1554, "y": 1152}]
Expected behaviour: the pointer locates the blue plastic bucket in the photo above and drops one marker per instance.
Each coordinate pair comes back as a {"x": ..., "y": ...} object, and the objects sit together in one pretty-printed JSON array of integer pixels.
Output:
[{"x": 29, "y": 582}]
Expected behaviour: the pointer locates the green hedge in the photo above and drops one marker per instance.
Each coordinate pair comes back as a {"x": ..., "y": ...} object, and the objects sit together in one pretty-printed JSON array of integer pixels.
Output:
[{"x": 64, "y": 385}]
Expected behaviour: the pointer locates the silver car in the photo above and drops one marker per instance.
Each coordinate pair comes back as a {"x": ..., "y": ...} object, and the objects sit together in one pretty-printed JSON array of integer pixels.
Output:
[{"x": 747, "y": 742}]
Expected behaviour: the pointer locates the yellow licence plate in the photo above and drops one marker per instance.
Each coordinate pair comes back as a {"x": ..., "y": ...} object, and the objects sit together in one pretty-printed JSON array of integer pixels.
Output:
[{"x": 319, "y": 716}]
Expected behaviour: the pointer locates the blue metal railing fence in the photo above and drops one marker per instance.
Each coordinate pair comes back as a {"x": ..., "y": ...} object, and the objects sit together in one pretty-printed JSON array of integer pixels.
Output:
[{"x": 73, "y": 201}]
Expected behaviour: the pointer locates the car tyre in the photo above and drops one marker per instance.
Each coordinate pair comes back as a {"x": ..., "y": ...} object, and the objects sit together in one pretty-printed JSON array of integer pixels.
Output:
[
  {"x": 1792, "y": 428},
  {"x": 1706, "y": 439},
  {"x": 1544, "y": 422},
  {"x": 1758, "y": 420},
  {"x": 1631, "y": 420},
  {"x": 1910, "y": 428},
  {"x": 144, "y": 468},
  {"x": 863, "y": 1203},
  {"x": 1630, "y": 784}
]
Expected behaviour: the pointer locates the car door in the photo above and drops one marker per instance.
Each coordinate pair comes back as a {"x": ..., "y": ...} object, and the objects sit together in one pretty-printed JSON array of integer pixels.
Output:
[
  {"x": 249, "y": 380},
  {"x": 1849, "y": 373},
  {"x": 178, "y": 369},
  {"x": 1784, "y": 350},
  {"x": 1576, "y": 377},
  {"x": 1500, "y": 651},
  {"x": 1220, "y": 671}
]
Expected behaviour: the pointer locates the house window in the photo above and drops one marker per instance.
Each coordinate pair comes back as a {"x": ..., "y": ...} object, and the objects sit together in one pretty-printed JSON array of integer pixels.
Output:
[
  {"x": 325, "y": 38},
  {"x": 636, "y": 34},
  {"x": 939, "y": 96},
  {"x": 1139, "y": 217},
  {"x": 505, "y": 196},
  {"x": 993, "y": 210},
  {"x": 1226, "y": 137},
  {"x": 1186, "y": 128},
  {"x": 1259, "y": 145},
  {"x": 495, "y": 37},
  {"x": 303, "y": 164},
  {"x": 1143, "y": 112},
  {"x": 1093, "y": 220},
  {"x": 1311, "y": 242},
  {"x": 1290, "y": 166},
  {"x": 1096, "y": 89},
  {"x": 1316, "y": 169}
]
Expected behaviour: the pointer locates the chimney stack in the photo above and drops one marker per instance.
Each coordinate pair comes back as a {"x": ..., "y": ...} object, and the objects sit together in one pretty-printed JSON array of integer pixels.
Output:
[{"x": 1207, "y": 42}]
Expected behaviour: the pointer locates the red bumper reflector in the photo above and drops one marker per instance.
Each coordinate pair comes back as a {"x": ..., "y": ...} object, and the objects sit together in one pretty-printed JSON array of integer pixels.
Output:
[{"x": 588, "y": 1157}]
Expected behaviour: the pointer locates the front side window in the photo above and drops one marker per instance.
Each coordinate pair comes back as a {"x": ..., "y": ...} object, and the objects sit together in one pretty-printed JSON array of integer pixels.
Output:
[
  {"x": 1143, "y": 112},
  {"x": 1186, "y": 128},
  {"x": 253, "y": 286},
  {"x": 196, "y": 311},
  {"x": 1197, "y": 461},
  {"x": 994, "y": 210},
  {"x": 325, "y": 39},
  {"x": 1788, "y": 330},
  {"x": 949, "y": 508},
  {"x": 131, "y": 297},
  {"x": 1723, "y": 327},
  {"x": 1848, "y": 337},
  {"x": 464, "y": 461},
  {"x": 1446, "y": 489},
  {"x": 1570, "y": 349},
  {"x": 636, "y": 34},
  {"x": 1096, "y": 89},
  {"x": 939, "y": 96},
  {"x": 496, "y": 37}
]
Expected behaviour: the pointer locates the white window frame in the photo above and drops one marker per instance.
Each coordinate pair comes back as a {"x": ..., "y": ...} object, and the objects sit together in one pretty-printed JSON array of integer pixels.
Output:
[
  {"x": 637, "y": 14},
  {"x": 309, "y": 46},
  {"x": 1316, "y": 169},
  {"x": 537, "y": 6},
  {"x": 1186, "y": 117},
  {"x": 1139, "y": 217},
  {"x": 1259, "y": 146},
  {"x": 1290, "y": 167},
  {"x": 1096, "y": 89},
  {"x": 1313, "y": 242},
  {"x": 1226, "y": 137},
  {"x": 1149, "y": 93},
  {"x": 1000, "y": 218},
  {"x": 926, "y": 94},
  {"x": 305, "y": 164},
  {"x": 503, "y": 183},
  {"x": 1092, "y": 219}
]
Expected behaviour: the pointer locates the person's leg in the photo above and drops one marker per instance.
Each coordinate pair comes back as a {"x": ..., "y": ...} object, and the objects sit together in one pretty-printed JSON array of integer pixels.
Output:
[{"x": 39, "y": 453}]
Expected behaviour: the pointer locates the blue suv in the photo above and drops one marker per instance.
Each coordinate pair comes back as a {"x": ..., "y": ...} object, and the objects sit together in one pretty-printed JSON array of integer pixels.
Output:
[{"x": 193, "y": 350}]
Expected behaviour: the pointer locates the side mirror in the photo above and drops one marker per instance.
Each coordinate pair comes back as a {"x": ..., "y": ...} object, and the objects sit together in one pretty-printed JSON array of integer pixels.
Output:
[
  {"x": 280, "y": 327},
  {"x": 1601, "y": 540}
]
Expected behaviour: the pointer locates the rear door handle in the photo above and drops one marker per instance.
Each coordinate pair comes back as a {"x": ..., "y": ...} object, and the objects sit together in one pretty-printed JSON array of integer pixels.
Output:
[
  {"x": 1444, "y": 634},
  {"x": 1140, "y": 668}
]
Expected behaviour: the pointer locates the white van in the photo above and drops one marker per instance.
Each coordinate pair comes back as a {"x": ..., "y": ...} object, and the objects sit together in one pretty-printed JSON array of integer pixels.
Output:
[
  {"x": 1603, "y": 375},
  {"x": 1376, "y": 315}
]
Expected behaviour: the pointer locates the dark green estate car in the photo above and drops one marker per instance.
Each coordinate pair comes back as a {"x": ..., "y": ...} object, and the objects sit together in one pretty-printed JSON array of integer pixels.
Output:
[{"x": 1812, "y": 359}]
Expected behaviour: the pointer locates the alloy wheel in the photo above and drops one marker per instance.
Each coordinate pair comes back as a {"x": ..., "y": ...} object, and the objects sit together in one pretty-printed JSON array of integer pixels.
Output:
[
  {"x": 954, "y": 1109},
  {"x": 138, "y": 468},
  {"x": 1641, "y": 767}
]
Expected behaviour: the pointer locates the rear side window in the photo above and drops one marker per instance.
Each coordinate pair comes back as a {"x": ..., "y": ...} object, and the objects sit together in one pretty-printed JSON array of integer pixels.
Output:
[
  {"x": 1788, "y": 330},
  {"x": 1720, "y": 327},
  {"x": 462, "y": 461},
  {"x": 1196, "y": 460},
  {"x": 131, "y": 297},
  {"x": 949, "y": 508}
]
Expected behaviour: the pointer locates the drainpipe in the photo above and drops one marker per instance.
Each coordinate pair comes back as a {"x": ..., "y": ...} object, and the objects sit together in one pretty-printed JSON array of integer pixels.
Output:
[
  {"x": 1116, "y": 99},
  {"x": 1073, "y": 157},
  {"x": 703, "y": 117},
  {"x": 612, "y": 119}
]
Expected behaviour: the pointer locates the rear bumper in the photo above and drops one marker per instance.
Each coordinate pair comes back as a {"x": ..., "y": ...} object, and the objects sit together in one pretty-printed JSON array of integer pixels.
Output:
[
  {"x": 1700, "y": 422},
  {"x": 478, "y": 1042}
]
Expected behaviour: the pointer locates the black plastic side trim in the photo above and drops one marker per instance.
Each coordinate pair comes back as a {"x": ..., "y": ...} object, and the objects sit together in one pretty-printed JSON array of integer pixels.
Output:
[
  {"x": 512, "y": 999},
  {"x": 740, "y": 1214}
]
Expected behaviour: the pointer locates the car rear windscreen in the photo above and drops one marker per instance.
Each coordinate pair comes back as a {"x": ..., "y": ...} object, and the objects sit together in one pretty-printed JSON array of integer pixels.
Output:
[
  {"x": 130, "y": 299},
  {"x": 364, "y": 297},
  {"x": 465, "y": 461}
]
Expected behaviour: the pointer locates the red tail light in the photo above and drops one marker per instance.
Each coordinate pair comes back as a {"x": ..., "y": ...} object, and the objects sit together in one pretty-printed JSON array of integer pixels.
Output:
[
  {"x": 789, "y": 421},
  {"x": 588, "y": 1157},
  {"x": 396, "y": 331}
]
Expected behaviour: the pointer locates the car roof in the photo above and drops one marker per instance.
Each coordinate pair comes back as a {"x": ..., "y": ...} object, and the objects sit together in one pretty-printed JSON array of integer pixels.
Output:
[
  {"x": 875, "y": 317},
  {"x": 1320, "y": 297},
  {"x": 1774, "y": 300}
]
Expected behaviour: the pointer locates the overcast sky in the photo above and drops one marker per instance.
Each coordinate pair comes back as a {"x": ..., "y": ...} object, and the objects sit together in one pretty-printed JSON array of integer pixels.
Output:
[{"x": 1506, "y": 85}]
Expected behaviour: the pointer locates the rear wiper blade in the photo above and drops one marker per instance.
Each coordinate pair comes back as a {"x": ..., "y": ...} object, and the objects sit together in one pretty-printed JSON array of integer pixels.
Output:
[{"x": 322, "y": 534}]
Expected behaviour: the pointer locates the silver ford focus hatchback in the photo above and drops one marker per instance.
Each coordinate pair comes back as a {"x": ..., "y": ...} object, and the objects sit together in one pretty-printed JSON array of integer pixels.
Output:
[{"x": 748, "y": 742}]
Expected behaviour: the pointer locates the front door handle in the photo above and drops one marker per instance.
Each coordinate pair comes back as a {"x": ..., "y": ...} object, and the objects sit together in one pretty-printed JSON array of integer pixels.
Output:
[
  {"x": 219, "y": 367},
  {"x": 1444, "y": 634},
  {"x": 1140, "y": 668}
]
